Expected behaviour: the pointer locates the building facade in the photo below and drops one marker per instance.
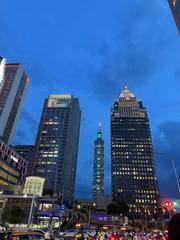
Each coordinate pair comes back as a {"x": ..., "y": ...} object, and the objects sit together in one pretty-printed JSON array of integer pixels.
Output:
[
  {"x": 34, "y": 186},
  {"x": 98, "y": 170},
  {"x": 134, "y": 178},
  {"x": 26, "y": 151},
  {"x": 26, "y": 206},
  {"x": 11, "y": 99},
  {"x": 2, "y": 70},
  {"x": 175, "y": 8},
  {"x": 56, "y": 148},
  {"x": 102, "y": 201},
  {"x": 12, "y": 167}
]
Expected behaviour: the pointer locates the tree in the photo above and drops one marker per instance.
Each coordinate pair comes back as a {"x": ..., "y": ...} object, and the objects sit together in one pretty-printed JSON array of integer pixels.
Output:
[
  {"x": 16, "y": 215},
  {"x": 117, "y": 208}
]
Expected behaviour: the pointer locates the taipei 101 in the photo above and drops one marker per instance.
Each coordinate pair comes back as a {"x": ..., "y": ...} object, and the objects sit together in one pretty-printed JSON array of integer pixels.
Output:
[{"x": 90, "y": 120}]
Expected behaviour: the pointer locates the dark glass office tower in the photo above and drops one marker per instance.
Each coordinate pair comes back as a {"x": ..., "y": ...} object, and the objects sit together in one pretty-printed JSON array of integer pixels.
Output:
[
  {"x": 56, "y": 148},
  {"x": 12, "y": 95},
  {"x": 98, "y": 171},
  {"x": 134, "y": 178}
]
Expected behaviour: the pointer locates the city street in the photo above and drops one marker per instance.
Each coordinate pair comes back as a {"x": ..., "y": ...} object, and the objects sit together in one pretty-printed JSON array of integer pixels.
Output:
[{"x": 90, "y": 120}]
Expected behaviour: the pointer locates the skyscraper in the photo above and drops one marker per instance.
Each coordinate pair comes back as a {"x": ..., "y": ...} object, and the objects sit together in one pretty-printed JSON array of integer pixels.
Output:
[
  {"x": 134, "y": 178},
  {"x": 11, "y": 99},
  {"x": 175, "y": 8},
  {"x": 12, "y": 167},
  {"x": 2, "y": 69},
  {"x": 98, "y": 171},
  {"x": 56, "y": 148}
]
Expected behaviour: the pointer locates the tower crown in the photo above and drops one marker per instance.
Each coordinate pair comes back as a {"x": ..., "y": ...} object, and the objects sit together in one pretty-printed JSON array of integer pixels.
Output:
[
  {"x": 126, "y": 94},
  {"x": 99, "y": 133}
]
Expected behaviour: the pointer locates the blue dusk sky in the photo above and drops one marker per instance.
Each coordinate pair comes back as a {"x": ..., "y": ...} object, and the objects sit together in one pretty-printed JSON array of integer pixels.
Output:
[{"x": 91, "y": 48}]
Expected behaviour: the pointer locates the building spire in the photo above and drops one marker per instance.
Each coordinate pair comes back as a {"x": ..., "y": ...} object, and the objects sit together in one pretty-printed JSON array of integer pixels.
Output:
[
  {"x": 126, "y": 87},
  {"x": 99, "y": 133},
  {"x": 126, "y": 93}
]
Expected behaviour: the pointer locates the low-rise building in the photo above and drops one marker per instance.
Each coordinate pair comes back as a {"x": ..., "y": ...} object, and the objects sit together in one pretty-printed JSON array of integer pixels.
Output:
[
  {"x": 34, "y": 185},
  {"x": 12, "y": 168},
  {"x": 18, "y": 209}
]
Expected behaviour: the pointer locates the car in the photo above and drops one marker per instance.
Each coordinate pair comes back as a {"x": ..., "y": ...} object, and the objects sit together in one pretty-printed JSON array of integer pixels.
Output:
[
  {"x": 70, "y": 233},
  {"x": 28, "y": 235}
]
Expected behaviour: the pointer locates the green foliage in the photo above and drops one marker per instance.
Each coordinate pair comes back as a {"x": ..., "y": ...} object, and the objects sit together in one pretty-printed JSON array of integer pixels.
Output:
[
  {"x": 117, "y": 208},
  {"x": 16, "y": 215},
  {"x": 83, "y": 211}
]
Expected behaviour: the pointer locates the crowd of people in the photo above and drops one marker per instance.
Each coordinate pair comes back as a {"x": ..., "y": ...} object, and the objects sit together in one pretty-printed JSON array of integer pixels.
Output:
[
  {"x": 124, "y": 235},
  {"x": 173, "y": 233}
]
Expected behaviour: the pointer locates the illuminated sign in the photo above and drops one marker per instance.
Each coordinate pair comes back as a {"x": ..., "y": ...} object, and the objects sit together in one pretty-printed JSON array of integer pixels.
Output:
[
  {"x": 14, "y": 159},
  {"x": 56, "y": 100}
]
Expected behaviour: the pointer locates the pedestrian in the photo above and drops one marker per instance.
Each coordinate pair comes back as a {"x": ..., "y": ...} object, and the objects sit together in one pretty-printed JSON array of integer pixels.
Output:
[
  {"x": 79, "y": 236},
  {"x": 174, "y": 227},
  {"x": 9, "y": 236}
]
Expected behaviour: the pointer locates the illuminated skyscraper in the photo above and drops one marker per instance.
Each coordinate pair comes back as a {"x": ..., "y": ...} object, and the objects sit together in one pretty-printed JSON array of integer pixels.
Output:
[
  {"x": 175, "y": 8},
  {"x": 134, "y": 178},
  {"x": 12, "y": 95},
  {"x": 56, "y": 147},
  {"x": 98, "y": 172}
]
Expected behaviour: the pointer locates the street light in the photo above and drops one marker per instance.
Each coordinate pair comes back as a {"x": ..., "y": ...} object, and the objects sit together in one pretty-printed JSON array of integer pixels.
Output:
[
  {"x": 94, "y": 205},
  {"x": 168, "y": 206},
  {"x": 174, "y": 167}
]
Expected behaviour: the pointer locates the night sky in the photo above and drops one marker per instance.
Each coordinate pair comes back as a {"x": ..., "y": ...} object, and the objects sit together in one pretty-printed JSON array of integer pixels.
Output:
[{"x": 91, "y": 48}]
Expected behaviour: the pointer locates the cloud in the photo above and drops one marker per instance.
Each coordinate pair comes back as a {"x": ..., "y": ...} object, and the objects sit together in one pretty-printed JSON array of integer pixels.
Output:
[
  {"x": 20, "y": 136},
  {"x": 168, "y": 136},
  {"x": 135, "y": 68},
  {"x": 28, "y": 119},
  {"x": 134, "y": 56},
  {"x": 26, "y": 129},
  {"x": 166, "y": 141}
]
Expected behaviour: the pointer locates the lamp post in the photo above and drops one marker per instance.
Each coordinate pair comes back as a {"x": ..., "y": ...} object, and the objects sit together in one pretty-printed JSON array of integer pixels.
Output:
[
  {"x": 176, "y": 176},
  {"x": 174, "y": 168},
  {"x": 94, "y": 205}
]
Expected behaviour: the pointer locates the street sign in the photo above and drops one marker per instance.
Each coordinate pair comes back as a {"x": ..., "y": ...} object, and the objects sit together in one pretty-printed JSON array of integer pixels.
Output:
[{"x": 62, "y": 208}]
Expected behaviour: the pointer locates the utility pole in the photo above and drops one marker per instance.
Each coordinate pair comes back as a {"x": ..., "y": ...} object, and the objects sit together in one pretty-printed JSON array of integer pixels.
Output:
[
  {"x": 175, "y": 172},
  {"x": 174, "y": 168},
  {"x": 31, "y": 211},
  {"x": 94, "y": 205},
  {"x": 60, "y": 212}
]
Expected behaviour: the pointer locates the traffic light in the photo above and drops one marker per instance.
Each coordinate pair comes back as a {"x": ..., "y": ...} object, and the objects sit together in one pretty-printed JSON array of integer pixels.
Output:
[{"x": 168, "y": 204}]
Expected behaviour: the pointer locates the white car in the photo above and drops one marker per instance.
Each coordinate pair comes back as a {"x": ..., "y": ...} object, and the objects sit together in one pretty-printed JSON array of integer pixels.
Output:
[{"x": 71, "y": 233}]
